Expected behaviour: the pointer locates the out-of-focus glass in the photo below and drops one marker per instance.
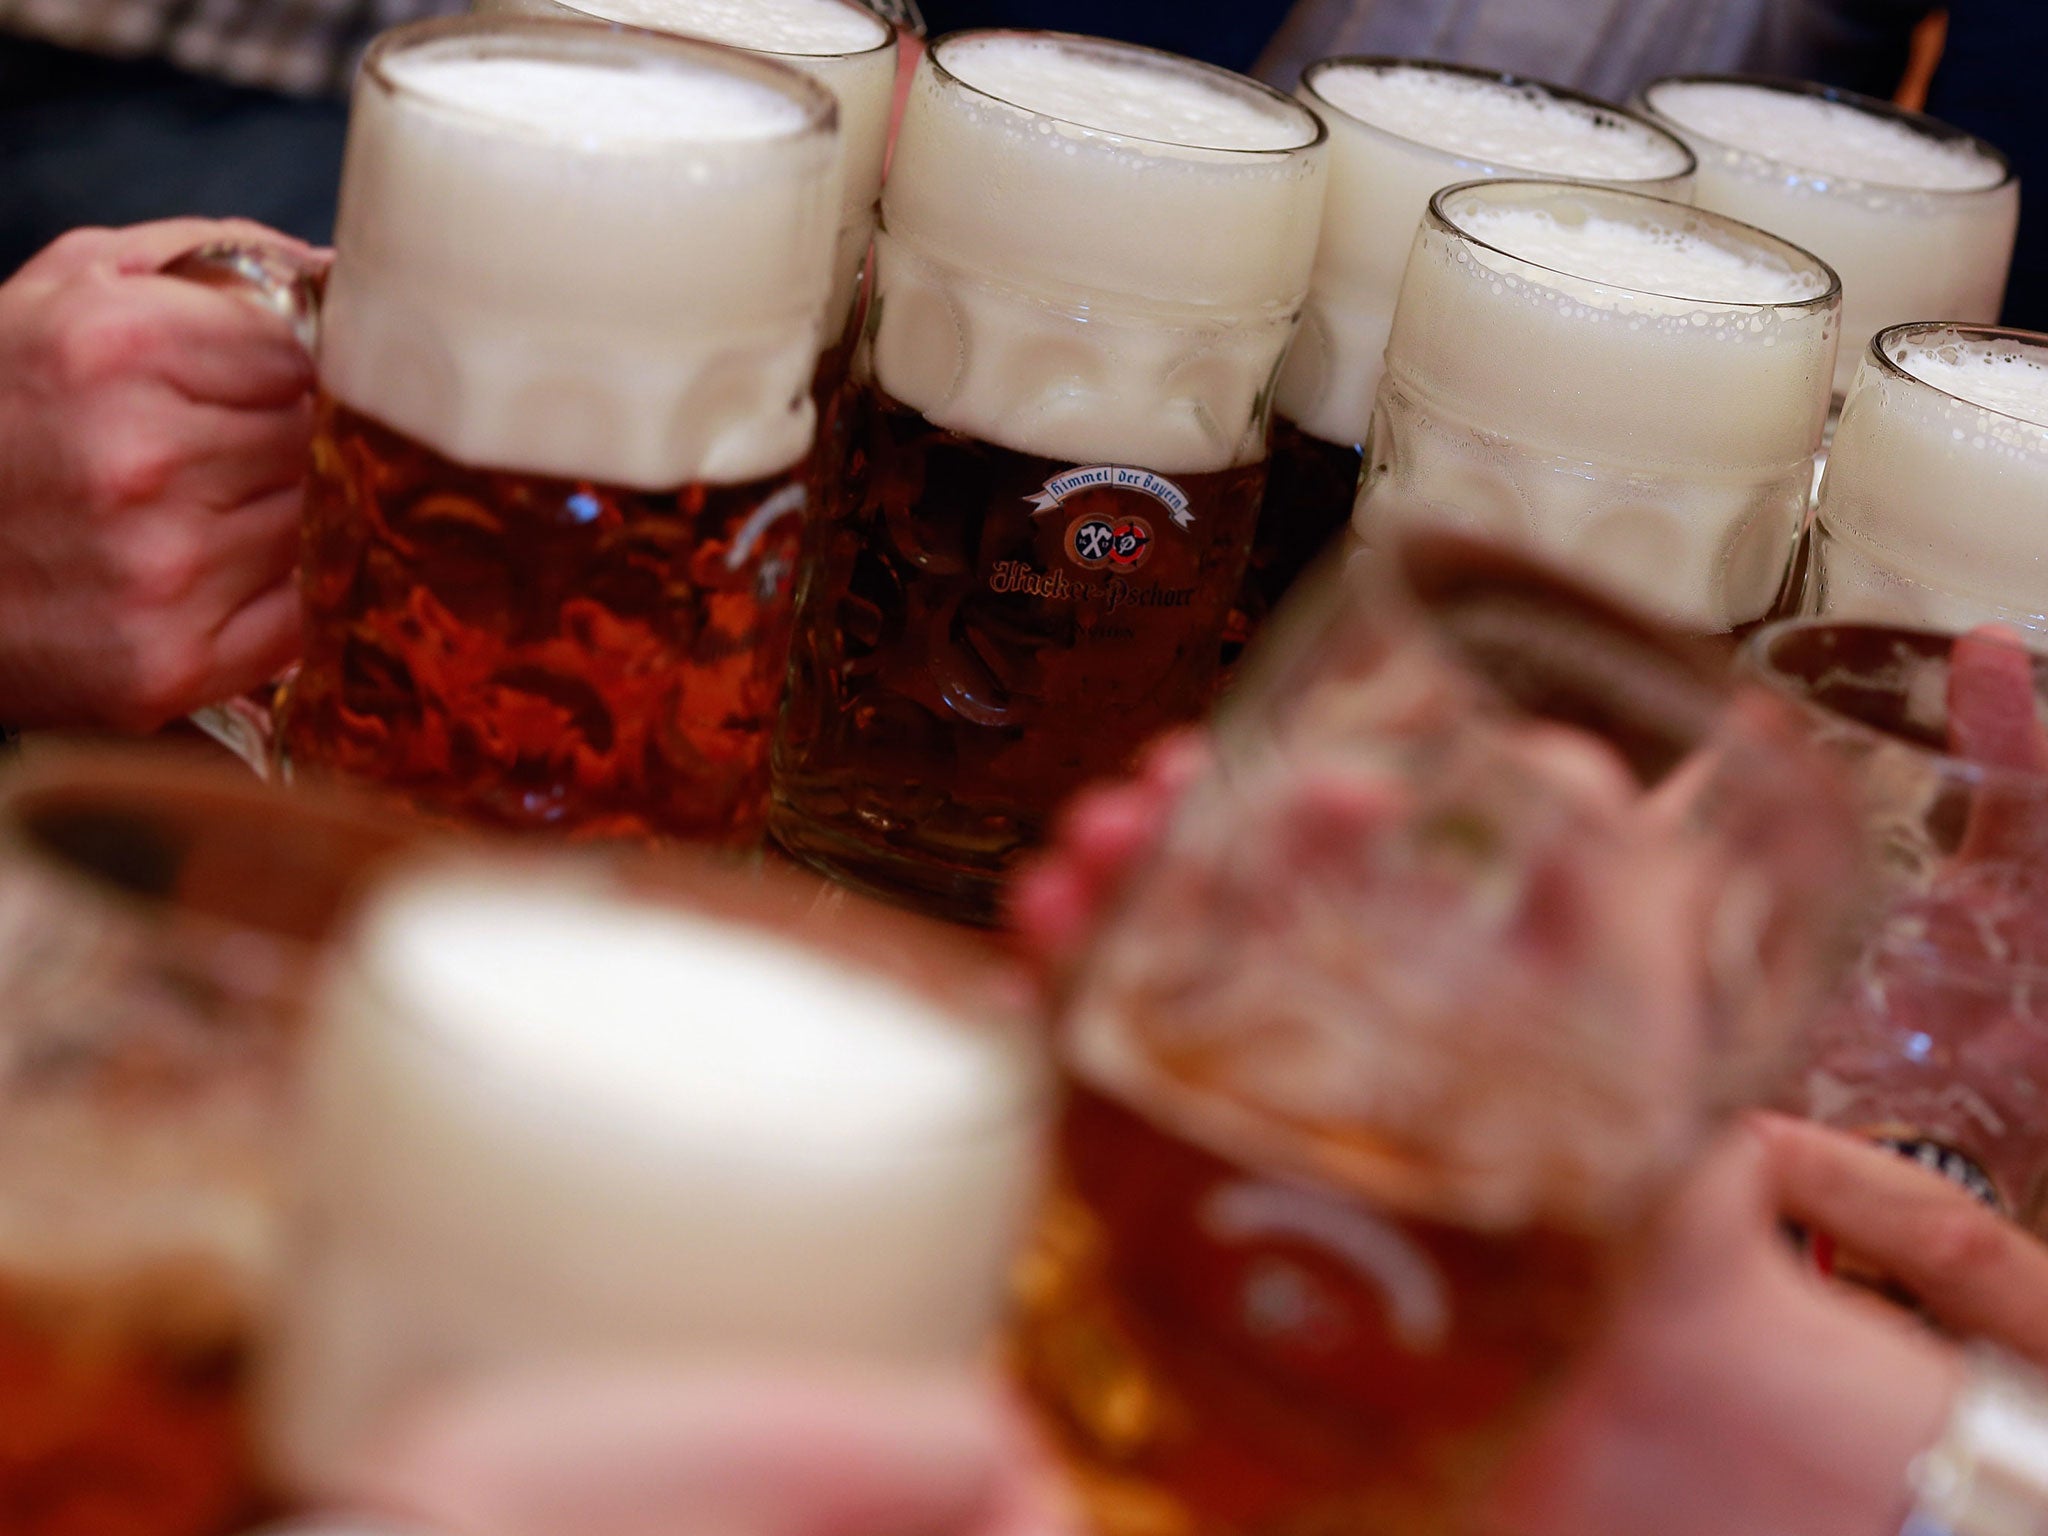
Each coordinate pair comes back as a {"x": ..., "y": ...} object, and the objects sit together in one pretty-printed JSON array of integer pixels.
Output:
[
  {"x": 158, "y": 925},
  {"x": 1932, "y": 507},
  {"x": 1916, "y": 216},
  {"x": 563, "y": 437},
  {"x": 1492, "y": 904},
  {"x": 1938, "y": 1043},
  {"x": 1401, "y": 130},
  {"x": 1090, "y": 260},
  {"x": 563, "y": 1115},
  {"x": 1631, "y": 387}
]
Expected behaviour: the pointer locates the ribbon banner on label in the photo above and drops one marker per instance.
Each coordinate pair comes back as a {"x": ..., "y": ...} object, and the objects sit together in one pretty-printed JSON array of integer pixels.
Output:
[{"x": 1120, "y": 477}]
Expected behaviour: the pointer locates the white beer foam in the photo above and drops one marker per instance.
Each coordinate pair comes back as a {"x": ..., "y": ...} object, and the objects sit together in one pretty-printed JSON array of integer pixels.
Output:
[
  {"x": 1093, "y": 295},
  {"x": 582, "y": 259},
  {"x": 1832, "y": 138},
  {"x": 1123, "y": 92},
  {"x": 1660, "y": 443},
  {"x": 1632, "y": 267},
  {"x": 1933, "y": 497},
  {"x": 1918, "y": 227},
  {"x": 1399, "y": 134},
  {"x": 839, "y": 43},
  {"x": 766, "y": 26},
  {"x": 548, "y": 1120},
  {"x": 1513, "y": 126}
]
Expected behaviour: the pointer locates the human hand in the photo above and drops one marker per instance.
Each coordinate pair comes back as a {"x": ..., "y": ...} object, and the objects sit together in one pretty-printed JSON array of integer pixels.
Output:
[
  {"x": 153, "y": 437},
  {"x": 1736, "y": 1392},
  {"x": 644, "y": 1453}
]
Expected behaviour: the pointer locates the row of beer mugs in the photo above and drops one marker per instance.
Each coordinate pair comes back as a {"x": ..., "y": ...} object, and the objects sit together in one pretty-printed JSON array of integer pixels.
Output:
[{"x": 579, "y": 269}]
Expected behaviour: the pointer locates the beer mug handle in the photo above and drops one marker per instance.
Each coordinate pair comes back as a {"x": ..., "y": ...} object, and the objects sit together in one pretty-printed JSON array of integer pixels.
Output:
[{"x": 290, "y": 286}]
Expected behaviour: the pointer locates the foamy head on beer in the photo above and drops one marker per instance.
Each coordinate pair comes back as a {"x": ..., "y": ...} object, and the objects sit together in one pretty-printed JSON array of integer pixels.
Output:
[
  {"x": 573, "y": 251},
  {"x": 1628, "y": 384},
  {"x": 1932, "y": 507},
  {"x": 841, "y": 44},
  {"x": 547, "y": 1120},
  {"x": 1401, "y": 131},
  {"x": 1092, "y": 252},
  {"x": 1917, "y": 216}
]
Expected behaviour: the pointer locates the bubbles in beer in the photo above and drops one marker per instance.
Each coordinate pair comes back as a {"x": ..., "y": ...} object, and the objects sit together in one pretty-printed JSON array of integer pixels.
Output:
[
  {"x": 1507, "y": 125},
  {"x": 1930, "y": 510}
]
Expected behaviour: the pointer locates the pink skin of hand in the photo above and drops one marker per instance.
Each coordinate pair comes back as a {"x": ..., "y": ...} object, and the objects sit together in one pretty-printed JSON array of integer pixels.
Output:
[
  {"x": 754, "y": 1452},
  {"x": 153, "y": 438}
]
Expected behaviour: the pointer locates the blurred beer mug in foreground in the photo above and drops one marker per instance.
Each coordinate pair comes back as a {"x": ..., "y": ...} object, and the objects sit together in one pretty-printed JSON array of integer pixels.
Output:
[
  {"x": 555, "y": 1117},
  {"x": 1401, "y": 130},
  {"x": 1917, "y": 217},
  {"x": 563, "y": 436},
  {"x": 1493, "y": 903},
  {"x": 1937, "y": 1043},
  {"x": 1058, "y": 451},
  {"x": 1931, "y": 512},
  {"x": 843, "y": 45},
  {"x": 158, "y": 924},
  {"x": 1631, "y": 387}
]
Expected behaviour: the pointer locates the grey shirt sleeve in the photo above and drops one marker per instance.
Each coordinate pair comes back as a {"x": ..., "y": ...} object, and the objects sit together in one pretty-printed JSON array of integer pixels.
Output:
[{"x": 1611, "y": 47}]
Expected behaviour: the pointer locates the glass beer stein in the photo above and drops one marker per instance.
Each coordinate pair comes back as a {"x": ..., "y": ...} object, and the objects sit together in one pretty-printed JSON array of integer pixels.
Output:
[
  {"x": 1930, "y": 511},
  {"x": 1401, "y": 130},
  {"x": 1629, "y": 386},
  {"x": 159, "y": 921},
  {"x": 1493, "y": 901},
  {"x": 563, "y": 434},
  {"x": 1916, "y": 216},
  {"x": 1057, "y": 451},
  {"x": 1936, "y": 1044},
  {"x": 562, "y": 1114}
]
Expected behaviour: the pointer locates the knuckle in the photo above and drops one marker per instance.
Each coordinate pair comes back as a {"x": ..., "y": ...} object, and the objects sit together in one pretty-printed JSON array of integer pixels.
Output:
[
  {"x": 166, "y": 680},
  {"x": 129, "y": 468},
  {"x": 1962, "y": 1242},
  {"x": 99, "y": 339},
  {"x": 161, "y": 567},
  {"x": 84, "y": 243}
]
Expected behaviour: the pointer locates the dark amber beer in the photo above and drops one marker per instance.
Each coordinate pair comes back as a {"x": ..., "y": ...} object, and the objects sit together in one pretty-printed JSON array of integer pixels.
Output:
[
  {"x": 1089, "y": 263},
  {"x": 1400, "y": 131},
  {"x": 563, "y": 448}
]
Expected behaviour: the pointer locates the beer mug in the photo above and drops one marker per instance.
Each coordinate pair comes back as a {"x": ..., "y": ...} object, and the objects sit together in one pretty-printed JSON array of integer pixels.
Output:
[
  {"x": 1930, "y": 511},
  {"x": 1935, "y": 1045},
  {"x": 1916, "y": 216},
  {"x": 159, "y": 921},
  {"x": 571, "y": 1114},
  {"x": 1401, "y": 130},
  {"x": 1492, "y": 903},
  {"x": 563, "y": 429},
  {"x": 1057, "y": 453},
  {"x": 1629, "y": 386}
]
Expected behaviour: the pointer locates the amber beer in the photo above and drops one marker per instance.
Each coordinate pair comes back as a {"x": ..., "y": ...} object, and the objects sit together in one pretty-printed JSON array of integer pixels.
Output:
[
  {"x": 1058, "y": 455},
  {"x": 562, "y": 445}
]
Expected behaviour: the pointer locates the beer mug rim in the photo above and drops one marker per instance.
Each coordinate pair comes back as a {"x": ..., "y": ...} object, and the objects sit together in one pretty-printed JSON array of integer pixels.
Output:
[
  {"x": 1879, "y": 357},
  {"x": 1318, "y": 130},
  {"x": 892, "y": 948},
  {"x": 1440, "y": 220},
  {"x": 1905, "y": 117},
  {"x": 887, "y": 40},
  {"x": 554, "y": 37},
  {"x": 1759, "y": 659},
  {"x": 183, "y": 788},
  {"x": 1387, "y": 61}
]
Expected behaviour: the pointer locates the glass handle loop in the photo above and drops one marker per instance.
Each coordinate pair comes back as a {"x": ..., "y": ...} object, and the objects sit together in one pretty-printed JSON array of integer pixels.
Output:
[{"x": 282, "y": 281}]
